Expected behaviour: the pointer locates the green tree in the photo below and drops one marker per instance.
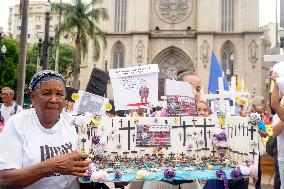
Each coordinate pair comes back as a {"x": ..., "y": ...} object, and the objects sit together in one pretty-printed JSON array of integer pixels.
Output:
[
  {"x": 66, "y": 59},
  {"x": 30, "y": 72},
  {"x": 12, "y": 52},
  {"x": 9, "y": 69},
  {"x": 8, "y": 74},
  {"x": 81, "y": 21}
]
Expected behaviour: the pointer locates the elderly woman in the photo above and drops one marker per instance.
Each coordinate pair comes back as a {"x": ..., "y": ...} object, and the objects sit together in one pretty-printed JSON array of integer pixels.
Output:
[{"x": 38, "y": 146}]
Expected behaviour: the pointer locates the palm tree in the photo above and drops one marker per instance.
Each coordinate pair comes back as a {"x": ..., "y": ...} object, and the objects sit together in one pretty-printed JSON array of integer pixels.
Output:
[
  {"x": 81, "y": 21},
  {"x": 23, "y": 51}
]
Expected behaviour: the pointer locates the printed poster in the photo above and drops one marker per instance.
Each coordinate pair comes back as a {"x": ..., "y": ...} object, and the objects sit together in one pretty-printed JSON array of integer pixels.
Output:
[
  {"x": 153, "y": 135},
  {"x": 135, "y": 86},
  {"x": 180, "y": 99},
  {"x": 90, "y": 103}
]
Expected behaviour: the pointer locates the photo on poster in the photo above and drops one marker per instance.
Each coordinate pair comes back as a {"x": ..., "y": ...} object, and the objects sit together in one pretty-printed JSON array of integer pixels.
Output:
[
  {"x": 181, "y": 106},
  {"x": 153, "y": 135},
  {"x": 90, "y": 103}
]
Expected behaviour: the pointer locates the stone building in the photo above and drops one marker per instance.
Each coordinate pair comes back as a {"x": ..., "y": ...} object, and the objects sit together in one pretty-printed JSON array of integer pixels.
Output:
[
  {"x": 36, "y": 21},
  {"x": 181, "y": 34}
]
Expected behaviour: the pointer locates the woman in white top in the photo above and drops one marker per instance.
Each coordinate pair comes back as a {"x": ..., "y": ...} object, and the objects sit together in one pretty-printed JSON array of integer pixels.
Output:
[
  {"x": 38, "y": 146},
  {"x": 278, "y": 126}
]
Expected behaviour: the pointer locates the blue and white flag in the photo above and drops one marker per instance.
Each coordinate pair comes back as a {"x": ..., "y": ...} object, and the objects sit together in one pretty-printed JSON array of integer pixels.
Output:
[{"x": 215, "y": 72}]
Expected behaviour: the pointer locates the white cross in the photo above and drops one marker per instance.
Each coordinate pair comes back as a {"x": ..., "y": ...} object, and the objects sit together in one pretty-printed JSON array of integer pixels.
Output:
[{"x": 232, "y": 94}]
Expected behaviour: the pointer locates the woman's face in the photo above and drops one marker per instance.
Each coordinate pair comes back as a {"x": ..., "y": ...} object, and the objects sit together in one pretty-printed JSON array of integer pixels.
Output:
[
  {"x": 49, "y": 99},
  {"x": 202, "y": 109}
]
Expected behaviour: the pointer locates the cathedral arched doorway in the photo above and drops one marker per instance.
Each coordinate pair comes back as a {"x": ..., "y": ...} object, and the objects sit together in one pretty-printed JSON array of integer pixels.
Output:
[{"x": 170, "y": 61}]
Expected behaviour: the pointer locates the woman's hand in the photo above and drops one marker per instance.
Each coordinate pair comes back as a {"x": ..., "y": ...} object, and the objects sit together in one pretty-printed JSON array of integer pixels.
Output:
[{"x": 74, "y": 163}]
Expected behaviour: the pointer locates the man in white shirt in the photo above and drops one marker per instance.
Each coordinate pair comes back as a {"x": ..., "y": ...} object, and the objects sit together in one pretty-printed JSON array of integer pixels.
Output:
[{"x": 9, "y": 107}]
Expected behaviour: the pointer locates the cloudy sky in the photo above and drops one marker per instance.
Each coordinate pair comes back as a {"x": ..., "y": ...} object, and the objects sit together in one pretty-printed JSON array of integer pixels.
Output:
[{"x": 266, "y": 11}]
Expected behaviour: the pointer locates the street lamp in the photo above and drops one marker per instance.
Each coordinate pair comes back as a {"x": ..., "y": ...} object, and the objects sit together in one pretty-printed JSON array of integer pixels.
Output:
[
  {"x": 38, "y": 63},
  {"x": 46, "y": 36}
]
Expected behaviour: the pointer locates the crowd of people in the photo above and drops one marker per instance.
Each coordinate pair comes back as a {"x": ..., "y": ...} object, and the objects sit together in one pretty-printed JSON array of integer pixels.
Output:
[{"x": 38, "y": 145}]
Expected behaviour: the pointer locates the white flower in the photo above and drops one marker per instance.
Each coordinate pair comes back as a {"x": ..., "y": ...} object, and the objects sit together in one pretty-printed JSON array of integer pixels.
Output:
[
  {"x": 95, "y": 176},
  {"x": 141, "y": 174},
  {"x": 244, "y": 170}
]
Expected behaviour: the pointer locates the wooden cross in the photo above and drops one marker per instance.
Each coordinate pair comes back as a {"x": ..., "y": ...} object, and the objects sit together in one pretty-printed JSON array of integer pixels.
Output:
[
  {"x": 204, "y": 126},
  {"x": 83, "y": 140},
  {"x": 172, "y": 155},
  {"x": 252, "y": 130},
  {"x": 239, "y": 126},
  {"x": 209, "y": 132},
  {"x": 179, "y": 135},
  {"x": 230, "y": 128},
  {"x": 128, "y": 129},
  {"x": 253, "y": 154},
  {"x": 133, "y": 137},
  {"x": 120, "y": 122},
  {"x": 182, "y": 154},
  {"x": 184, "y": 126},
  {"x": 243, "y": 126},
  {"x": 235, "y": 130}
]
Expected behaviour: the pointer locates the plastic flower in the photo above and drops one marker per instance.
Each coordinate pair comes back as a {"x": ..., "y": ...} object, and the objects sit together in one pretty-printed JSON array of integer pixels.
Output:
[
  {"x": 75, "y": 96},
  {"x": 210, "y": 167},
  {"x": 254, "y": 119},
  {"x": 253, "y": 170},
  {"x": 136, "y": 120},
  {"x": 169, "y": 173},
  {"x": 189, "y": 146},
  {"x": 95, "y": 121},
  {"x": 141, "y": 174},
  {"x": 108, "y": 107},
  {"x": 236, "y": 173},
  {"x": 117, "y": 175},
  {"x": 90, "y": 172},
  {"x": 200, "y": 141},
  {"x": 96, "y": 139},
  {"x": 244, "y": 170},
  {"x": 118, "y": 146},
  {"x": 221, "y": 154}
]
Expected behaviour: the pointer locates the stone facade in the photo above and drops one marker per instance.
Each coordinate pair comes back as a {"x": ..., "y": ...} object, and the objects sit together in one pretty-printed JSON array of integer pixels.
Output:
[{"x": 181, "y": 34}]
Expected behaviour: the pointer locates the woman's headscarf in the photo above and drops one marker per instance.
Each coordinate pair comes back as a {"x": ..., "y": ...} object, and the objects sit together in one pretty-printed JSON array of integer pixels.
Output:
[{"x": 43, "y": 76}]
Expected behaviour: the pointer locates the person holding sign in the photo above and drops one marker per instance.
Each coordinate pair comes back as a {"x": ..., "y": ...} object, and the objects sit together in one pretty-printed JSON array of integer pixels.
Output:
[
  {"x": 194, "y": 80},
  {"x": 38, "y": 146}
]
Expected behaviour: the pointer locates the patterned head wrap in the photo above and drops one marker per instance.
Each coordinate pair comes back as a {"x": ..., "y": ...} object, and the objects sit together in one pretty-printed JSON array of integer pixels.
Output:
[{"x": 45, "y": 75}]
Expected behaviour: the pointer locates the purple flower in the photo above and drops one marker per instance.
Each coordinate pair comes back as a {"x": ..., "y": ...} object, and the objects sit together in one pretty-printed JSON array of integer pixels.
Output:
[
  {"x": 90, "y": 172},
  {"x": 118, "y": 146},
  {"x": 221, "y": 154},
  {"x": 221, "y": 137},
  {"x": 200, "y": 142},
  {"x": 159, "y": 148},
  {"x": 221, "y": 174},
  {"x": 96, "y": 139},
  {"x": 189, "y": 146},
  {"x": 236, "y": 173},
  {"x": 169, "y": 173},
  {"x": 117, "y": 175}
]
